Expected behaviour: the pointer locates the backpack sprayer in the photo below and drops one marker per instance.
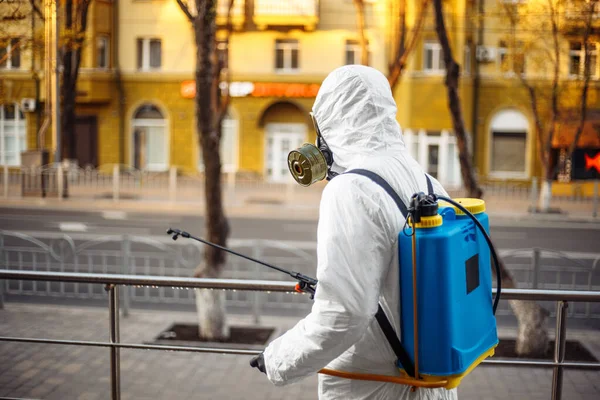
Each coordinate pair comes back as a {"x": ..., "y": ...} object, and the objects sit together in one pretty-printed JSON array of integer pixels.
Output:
[{"x": 448, "y": 325}]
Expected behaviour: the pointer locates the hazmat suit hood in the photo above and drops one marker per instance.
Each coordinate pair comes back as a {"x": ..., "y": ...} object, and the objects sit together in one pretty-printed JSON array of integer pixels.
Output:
[{"x": 356, "y": 114}]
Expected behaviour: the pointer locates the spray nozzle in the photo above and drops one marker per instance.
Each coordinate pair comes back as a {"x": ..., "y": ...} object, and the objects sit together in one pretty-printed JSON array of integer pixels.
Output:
[{"x": 422, "y": 205}]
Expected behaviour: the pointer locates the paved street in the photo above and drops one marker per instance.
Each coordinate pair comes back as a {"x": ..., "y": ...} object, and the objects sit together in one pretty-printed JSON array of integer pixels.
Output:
[
  {"x": 40, "y": 371},
  {"x": 508, "y": 232}
]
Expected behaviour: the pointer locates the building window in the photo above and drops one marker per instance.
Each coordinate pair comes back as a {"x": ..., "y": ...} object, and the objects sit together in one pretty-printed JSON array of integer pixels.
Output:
[
  {"x": 467, "y": 66},
  {"x": 149, "y": 54},
  {"x": 508, "y": 144},
  {"x": 103, "y": 51},
  {"x": 286, "y": 55},
  {"x": 10, "y": 54},
  {"x": 354, "y": 53},
  {"x": 433, "y": 59},
  {"x": 511, "y": 62},
  {"x": 150, "y": 139},
  {"x": 577, "y": 59},
  {"x": 13, "y": 138}
]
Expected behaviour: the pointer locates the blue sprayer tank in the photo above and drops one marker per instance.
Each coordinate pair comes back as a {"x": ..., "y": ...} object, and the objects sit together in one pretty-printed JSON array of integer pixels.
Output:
[{"x": 456, "y": 324}]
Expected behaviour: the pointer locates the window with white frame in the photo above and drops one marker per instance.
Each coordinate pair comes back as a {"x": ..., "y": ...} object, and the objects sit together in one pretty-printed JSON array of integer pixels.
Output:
[
  {"x": 354, "y": 53},
  {"x": 102, "y": 51},
  {"x": 511, "y": 61},
  {"x": 286, "y": 55},
  {"x": 150, "y": 147},
  {"x": 13, "y": 139},
  {"x": 149, "y": 54},
  {"x": 508, "y": 145},
  {"x": 10, "y": 54},
  {"x": 433, "y": 58},
  {"x": 577, "y": 59}
]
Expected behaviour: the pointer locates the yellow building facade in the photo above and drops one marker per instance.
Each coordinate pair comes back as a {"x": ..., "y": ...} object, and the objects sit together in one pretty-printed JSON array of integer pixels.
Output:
[{"x": 135, "y": 101}]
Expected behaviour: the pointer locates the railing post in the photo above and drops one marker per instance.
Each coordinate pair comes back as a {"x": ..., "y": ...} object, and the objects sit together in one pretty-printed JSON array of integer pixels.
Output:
[
  {"x": 559, "y": 349},
  {"x": 172, "y": 184},
  {"x": 2, "y": 282},
  {"x": 115, "y": 356},
  {"x": 596, "y": 194},
  {"x": 534, "y": 193},
  {"x": 5, "y": 181},
  {"x": 535, "y": 267},
  {"x": 256, "y": 253},
  {"x": 60, "y": 181},
  {"x": 126, "y": 253},
  {"x": 116, "y": 178}
]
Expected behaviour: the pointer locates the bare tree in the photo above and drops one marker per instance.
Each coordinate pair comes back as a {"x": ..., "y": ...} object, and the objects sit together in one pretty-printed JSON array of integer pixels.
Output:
[
  {"x": 406, "y": 43},
  {"x": 532, "y": 338},
  {"x": 210, "y": 106},
  {"x": 75, "y": 25},
  {"x": 547, "y": 99}
]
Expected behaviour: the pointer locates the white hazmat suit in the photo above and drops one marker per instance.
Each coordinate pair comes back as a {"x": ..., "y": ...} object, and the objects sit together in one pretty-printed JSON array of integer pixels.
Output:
[{"x": 356, "y": 246}]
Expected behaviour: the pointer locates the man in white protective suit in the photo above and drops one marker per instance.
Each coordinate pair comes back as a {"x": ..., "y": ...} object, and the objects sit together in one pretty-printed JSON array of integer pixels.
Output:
[{"x": 357, "y": 247}]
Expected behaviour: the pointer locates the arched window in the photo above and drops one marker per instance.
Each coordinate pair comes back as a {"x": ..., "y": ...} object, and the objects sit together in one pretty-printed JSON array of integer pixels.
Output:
[
  {"x": 150, "y": 142},
  {"x": 13, "y": 136},
  {"x": 508, "y": 144}
]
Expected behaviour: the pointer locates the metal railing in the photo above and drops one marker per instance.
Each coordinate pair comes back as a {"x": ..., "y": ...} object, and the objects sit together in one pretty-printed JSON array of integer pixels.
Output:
[
  {"x": 160, "y": 256},
  {"x": 112, "y": 283}
]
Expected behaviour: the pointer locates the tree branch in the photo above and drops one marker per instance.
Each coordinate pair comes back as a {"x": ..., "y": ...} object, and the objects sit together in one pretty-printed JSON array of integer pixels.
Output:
[
  {"x": 400, "y": 63},
  {"x": 185, "y": 10},
  {"x": 586, "y": 77},
  {"x": 554, "y": 110},
  {"x": 36, "y": 9}
]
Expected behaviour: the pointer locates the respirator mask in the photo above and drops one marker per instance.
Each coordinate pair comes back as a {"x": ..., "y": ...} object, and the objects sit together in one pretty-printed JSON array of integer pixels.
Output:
[{"x": 309, "y": 163}]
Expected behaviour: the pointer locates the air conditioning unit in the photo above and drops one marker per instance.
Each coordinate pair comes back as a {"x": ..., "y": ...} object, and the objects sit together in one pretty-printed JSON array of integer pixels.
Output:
[
  {"x": 486, "y": 54},
  {"x": 28, "y": 105}
]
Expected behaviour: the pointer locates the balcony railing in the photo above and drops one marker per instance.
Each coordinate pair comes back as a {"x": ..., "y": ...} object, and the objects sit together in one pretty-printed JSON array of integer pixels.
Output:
[
  {"x": 114, "y": 344},
  {"x": 286, "y": 13}
]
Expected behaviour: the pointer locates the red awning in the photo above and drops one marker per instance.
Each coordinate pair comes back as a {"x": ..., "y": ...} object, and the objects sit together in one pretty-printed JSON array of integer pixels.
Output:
[{"x": 565, "y": 130}]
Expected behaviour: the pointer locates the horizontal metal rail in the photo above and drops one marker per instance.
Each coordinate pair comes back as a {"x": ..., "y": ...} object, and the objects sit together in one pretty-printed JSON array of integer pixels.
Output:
[
  {"x": 111, "y": 282},
  {"x": 258, "y": 285}
]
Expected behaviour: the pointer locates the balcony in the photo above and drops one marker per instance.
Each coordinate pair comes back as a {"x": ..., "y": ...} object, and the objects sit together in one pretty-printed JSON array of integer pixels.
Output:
[
  {"x": 238, "y": 15},
  {"x": 292, "y": 13}
]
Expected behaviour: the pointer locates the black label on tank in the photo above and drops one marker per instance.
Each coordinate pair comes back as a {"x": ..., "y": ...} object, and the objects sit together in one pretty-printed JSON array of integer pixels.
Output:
[{"x": 472, "y": 272}]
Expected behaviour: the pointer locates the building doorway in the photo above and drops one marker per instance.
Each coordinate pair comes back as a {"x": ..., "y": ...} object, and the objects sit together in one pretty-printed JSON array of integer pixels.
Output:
[
  {"x": 86, "y": 132},
  {"x": 281, "y": 139},
  {"x": 150, "y": 147}
]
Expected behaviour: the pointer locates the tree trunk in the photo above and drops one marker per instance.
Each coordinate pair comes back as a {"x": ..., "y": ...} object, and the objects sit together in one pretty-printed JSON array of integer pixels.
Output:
[
  {"x": 454, "y": 103},
  {"x": 532, "y": 338},
  {"x": 75, "y": 28},
  {"x": 210, "y": 304}
]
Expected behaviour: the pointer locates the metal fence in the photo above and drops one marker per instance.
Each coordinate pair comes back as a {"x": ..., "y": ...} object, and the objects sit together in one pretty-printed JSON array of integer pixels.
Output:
[
  {"x": 147, "y": 256},
  {"x": 112, "y": 283},
  {"x": 118, "y": 182}
]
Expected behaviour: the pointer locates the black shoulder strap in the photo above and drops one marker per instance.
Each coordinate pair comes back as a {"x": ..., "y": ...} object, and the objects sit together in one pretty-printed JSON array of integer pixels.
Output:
[
  {"x": 382, "y": 319},
  {"x": 429, "y": 185}
]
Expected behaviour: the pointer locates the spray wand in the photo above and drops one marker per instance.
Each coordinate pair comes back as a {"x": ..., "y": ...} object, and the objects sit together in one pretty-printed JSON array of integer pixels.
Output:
[{"x": 305, "y": 284}]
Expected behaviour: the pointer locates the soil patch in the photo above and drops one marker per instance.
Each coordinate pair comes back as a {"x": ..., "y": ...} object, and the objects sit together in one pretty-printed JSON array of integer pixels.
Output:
[{"x": 238, "y": 335}]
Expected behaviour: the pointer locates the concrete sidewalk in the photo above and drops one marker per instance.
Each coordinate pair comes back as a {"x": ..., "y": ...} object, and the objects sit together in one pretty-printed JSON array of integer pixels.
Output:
[{"x": 42, "y": 371}]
